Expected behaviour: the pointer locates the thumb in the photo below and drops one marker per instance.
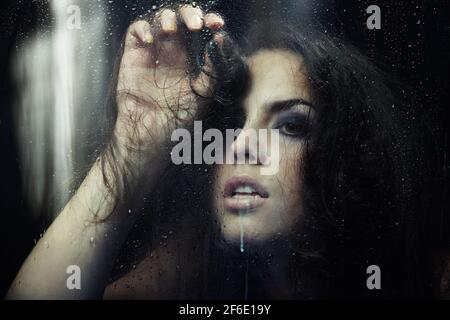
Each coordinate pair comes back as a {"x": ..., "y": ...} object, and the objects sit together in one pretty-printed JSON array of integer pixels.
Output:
[{"x": 205, "y": 83}]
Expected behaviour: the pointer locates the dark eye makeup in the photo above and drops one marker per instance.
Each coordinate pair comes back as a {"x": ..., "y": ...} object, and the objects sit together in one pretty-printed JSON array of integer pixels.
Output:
[{"x": 293, "y": 124}]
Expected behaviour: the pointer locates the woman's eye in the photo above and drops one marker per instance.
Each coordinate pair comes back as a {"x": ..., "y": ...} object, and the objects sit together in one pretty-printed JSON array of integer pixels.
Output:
[
  {"x": 291, "y": 129},
  {"x": 296, "y": 127}
]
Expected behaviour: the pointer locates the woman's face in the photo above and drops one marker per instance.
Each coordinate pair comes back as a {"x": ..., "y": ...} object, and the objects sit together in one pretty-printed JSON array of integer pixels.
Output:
[{"x": 251, "y": 206}]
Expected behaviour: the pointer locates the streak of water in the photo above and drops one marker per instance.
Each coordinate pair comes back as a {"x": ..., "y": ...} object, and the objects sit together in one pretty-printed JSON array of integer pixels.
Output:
[
  {"x": 242, "y": 249},
  {"x": 241, "y": 225},
  {"x": 58, "y": 88}
]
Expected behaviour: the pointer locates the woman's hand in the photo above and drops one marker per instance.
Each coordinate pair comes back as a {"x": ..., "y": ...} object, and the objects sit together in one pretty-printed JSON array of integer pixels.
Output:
[
  {"x": 155, "y": 91},
  {"x": 154, "y": 96}
]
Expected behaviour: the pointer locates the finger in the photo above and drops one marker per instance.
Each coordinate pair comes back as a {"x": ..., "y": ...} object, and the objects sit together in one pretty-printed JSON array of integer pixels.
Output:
[
  {"x": 206, "y": 81},
  {"x": 139, "y": 33},
  {"x": 192, "y": 17},
  {"x": 213, "y": 21},
  {"x": 212, "y": 53},
  {"x": 168, "y": 20}
]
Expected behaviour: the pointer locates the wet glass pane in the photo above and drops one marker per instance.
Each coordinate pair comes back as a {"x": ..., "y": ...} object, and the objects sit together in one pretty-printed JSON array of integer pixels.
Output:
[{"x": 224, "y": 149}]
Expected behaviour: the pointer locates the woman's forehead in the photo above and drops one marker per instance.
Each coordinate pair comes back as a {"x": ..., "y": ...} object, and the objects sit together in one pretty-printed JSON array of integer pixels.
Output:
[{"x": 276, "y": 75}]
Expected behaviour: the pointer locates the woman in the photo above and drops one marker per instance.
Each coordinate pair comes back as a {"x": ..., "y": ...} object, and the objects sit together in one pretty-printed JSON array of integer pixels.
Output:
[{"x": 334, "y": 207}]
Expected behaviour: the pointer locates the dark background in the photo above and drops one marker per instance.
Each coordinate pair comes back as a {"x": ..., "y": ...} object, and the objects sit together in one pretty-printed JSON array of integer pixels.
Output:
[{"x": 413, "y": 45}]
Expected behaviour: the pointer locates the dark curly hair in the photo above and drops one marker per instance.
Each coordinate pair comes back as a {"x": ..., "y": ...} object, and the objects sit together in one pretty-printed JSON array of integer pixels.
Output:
[{"x": 362, "y": 173}]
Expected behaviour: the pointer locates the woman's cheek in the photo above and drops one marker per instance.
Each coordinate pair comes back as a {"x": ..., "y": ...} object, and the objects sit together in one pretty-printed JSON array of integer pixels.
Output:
[
  {"x": 290, "y": 175},
  {"x": 291, "y": 158}
]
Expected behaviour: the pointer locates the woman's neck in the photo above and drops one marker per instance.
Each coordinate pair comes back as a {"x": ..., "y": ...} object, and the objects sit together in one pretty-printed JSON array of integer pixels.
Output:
[{"x": 267, "y": 274}]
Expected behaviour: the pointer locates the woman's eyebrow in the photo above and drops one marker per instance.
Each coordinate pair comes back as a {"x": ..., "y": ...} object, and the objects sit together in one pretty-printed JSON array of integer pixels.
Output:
[{"x": 287, "y": 104}]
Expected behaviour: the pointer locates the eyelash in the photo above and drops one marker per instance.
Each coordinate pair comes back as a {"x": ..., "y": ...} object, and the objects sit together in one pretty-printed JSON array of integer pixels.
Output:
[{"x": 300, "y": 123}]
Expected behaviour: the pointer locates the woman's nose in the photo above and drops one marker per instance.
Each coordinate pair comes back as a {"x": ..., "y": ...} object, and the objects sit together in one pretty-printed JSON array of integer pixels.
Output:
[{"x": 250, "y": 147}]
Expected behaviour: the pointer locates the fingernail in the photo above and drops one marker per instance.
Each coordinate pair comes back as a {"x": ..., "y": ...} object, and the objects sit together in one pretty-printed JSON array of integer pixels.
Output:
[{"x": 168, "y": 26}]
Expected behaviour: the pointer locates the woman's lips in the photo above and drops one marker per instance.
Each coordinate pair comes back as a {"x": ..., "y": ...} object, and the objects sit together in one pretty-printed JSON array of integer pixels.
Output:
[{"x": 244, "y": 194}]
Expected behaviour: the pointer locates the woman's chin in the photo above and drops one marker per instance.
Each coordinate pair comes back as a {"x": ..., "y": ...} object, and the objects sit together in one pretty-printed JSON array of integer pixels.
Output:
[
  {"x": 241, "y": 236},
  {"x": 253, "y": 228}
]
